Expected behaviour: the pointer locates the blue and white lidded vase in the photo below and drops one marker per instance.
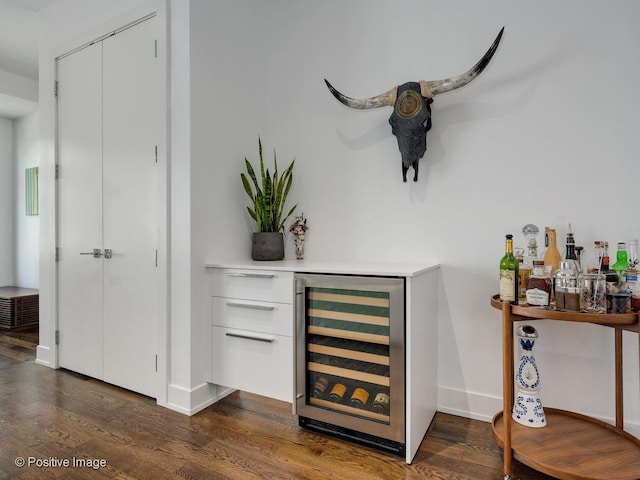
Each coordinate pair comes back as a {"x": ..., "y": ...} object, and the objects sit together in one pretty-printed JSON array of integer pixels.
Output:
[{"x": 527, "y": 409}]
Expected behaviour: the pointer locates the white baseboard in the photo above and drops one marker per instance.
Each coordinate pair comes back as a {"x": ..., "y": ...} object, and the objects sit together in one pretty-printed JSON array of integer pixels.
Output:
[
  {"x": 223, "y": 392},
  {"x": 44, "y": 356},
  {"x": 483, "y": 407},
  {"x": 468, "y": 404},
  {"x": 191, "y": 401}
]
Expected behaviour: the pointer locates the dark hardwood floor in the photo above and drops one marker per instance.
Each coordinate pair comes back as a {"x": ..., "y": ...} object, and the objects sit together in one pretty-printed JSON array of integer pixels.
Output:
[{"x": 48, "y": 417}]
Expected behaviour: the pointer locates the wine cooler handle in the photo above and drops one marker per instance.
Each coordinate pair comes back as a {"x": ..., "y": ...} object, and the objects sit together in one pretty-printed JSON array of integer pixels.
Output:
[
  {"x": 251, "y": 275},
  {"x": 250, "y": 337},
  {"x": 299, "y": 351},
  {"x": 252, "y": 306}
]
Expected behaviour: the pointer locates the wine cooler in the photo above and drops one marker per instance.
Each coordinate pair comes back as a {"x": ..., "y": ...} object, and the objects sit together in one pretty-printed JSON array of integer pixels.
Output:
[{"x": 350, "y": 367}]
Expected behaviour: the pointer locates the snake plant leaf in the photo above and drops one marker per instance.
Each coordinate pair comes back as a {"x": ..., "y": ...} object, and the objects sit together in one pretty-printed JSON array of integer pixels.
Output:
[
  {"x": 247, "y": 186},
  {"x": 252, "y": 214},
  {"x": 252, "y": 174},
  {"x": 271, "y": 192}
]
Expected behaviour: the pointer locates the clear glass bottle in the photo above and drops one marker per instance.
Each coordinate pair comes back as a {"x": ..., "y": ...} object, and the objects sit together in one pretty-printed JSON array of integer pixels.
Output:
[
  {"x": 524, "y": 272},
  {"x": 509, "y": 273},
  {"x": 600, "y": 249},
  {"x": 634, "y": 255},
  {"x": 530, "y": 232}
]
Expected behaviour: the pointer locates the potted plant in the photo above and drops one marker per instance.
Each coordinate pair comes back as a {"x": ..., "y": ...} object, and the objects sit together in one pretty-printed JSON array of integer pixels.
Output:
[{"x": 268, "y": 196}]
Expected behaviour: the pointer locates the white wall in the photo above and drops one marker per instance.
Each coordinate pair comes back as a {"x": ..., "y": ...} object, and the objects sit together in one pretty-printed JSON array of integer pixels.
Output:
[
  {"x": 229, "y": 72},
  {"x": 6, "y": 202},
  {"x": 547, "y": 135},
  {"x": 27, "y": 227}
]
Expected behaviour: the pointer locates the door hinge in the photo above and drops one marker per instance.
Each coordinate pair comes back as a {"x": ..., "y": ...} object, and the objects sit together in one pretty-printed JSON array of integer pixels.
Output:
[
  {"x": 57, "y": 337},
  {"x": 156, "y": 48},
  {"x": 56, "y": 254},
  {"x": 156, "y": 363},
  {"x": 156, "y": 153},
  {"x": 55, "y": 88},
  {"x": 56, "y": 173},
  {"x": 156, "y": 258}
]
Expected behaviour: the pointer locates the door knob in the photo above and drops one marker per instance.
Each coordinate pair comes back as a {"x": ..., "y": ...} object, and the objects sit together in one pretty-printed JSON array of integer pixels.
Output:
[
  {"x": 108, "y": 253},
  {"x": 97, "y": 253}
]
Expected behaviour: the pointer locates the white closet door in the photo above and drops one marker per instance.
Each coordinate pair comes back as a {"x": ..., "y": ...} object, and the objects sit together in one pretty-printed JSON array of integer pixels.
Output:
[
  {"x": 109, "y": 126},
  {"x": 80, "y": 211},
  {"x": 132, "y": 130}
]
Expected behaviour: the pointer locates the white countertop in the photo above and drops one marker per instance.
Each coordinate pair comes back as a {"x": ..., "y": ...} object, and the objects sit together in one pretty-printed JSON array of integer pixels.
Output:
[{"x": 349, "y": 268}]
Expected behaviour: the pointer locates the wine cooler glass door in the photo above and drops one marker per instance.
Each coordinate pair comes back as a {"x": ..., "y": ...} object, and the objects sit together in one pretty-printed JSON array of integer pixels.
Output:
[{"x": 350, "y": 366}]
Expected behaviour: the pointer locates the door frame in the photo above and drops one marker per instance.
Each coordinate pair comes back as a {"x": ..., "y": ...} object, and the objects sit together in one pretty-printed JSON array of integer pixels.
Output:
[{"x": 156, "y": 8}]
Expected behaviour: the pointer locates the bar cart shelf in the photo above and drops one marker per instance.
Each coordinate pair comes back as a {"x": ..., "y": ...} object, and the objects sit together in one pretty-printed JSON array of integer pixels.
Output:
[{"x": 572, "y": 446}]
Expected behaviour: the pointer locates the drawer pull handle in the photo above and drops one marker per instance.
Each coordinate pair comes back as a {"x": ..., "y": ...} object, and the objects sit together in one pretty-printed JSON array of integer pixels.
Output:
[
  {"x": 250, "y": 305},
  {"x": 251, "y": 275},
  {"x": 250, "y": 337}
]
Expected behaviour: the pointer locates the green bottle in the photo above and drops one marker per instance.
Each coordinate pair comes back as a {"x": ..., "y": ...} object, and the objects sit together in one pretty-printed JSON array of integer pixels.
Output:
[
  {"x": 621, "y": 261},
  {"x": 509, "y": 274}
]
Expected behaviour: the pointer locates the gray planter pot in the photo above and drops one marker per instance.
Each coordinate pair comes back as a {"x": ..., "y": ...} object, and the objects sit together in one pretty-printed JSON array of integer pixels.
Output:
[{"x": 267, "y": 246}]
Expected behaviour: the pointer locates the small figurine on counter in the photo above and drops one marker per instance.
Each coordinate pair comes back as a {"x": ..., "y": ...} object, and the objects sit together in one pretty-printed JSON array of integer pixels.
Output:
[{"x": 298, "y": 228}]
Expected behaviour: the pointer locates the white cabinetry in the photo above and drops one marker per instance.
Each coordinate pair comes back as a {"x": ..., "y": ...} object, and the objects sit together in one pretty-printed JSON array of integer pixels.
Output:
[
  {"x": 254, "y": 340},
  {"x": 253, "y": 325}
]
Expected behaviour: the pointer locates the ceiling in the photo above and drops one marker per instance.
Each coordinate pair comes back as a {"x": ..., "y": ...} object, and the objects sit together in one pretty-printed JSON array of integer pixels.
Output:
[{"x": 19, "y": 35}]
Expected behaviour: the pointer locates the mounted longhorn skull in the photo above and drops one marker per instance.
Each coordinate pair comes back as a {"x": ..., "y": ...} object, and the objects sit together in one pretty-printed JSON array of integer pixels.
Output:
[{"x": 411, "y": 118}]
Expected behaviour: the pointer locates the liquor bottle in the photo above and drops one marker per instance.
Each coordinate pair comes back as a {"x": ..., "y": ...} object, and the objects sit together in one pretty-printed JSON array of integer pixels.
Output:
[
  {"x": 381, "y": 403},
  {"x": 611, "y": 275},
  {"x": 509, "y": 274},
  {"x": 571, "y": 247},
  {"x": 539, "y": 285},
  {"x": 552, "y": 255},
  {"x": 621, "y": 260},
  {"x": 570, "y": 256},
  {"x": 524, "y": 272},
  {"x": 359, "y": 397},
  {"x": 600, "y": 248}
]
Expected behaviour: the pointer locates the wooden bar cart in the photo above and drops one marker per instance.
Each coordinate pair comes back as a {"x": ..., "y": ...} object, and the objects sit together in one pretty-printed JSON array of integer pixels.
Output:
[{"x": 572, "y": 446}]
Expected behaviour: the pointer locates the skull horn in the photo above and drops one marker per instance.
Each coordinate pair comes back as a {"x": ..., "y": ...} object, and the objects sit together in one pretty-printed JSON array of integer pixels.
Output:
[
  {"x": 431, "y": 88},
  {"x": 387, "y": 99},
  {"x": 428, "y": 88}
]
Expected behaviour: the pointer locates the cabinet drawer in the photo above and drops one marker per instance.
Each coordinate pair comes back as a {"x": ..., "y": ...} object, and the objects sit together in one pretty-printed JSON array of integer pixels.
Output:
[
  {"x": 250, "y": 284},
  {"x": 253, "y": 362},
  {"x": 265, "y": 317}
]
